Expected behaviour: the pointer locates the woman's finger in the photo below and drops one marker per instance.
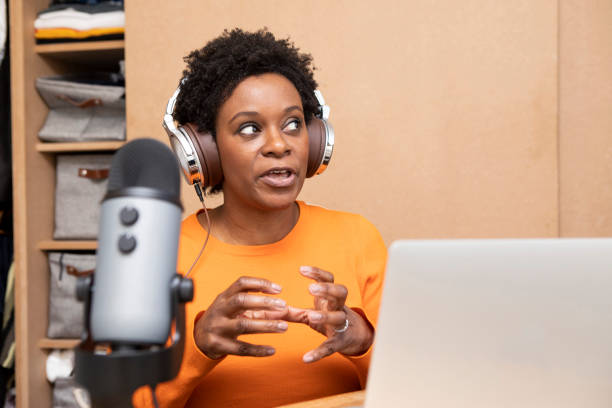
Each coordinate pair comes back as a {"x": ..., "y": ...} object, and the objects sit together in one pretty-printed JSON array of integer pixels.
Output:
[
  {"x": 322, "y": 303},
  {"x": 336, "y": 319},
  {"x": 251, "y": 284},
  {"x": 248, "y": 326},
  {"x": 242, "y": 301},
  {"x": 241, "y": 348},
  {"x": 290, "y": 314},
  {"x": 327, "y": 348},
  {"x": 317, "y": 274},
  {"x": 332, "y": 292}
]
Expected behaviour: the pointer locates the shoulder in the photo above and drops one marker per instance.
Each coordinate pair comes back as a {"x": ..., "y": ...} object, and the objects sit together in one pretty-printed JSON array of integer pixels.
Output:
[
  {"x": 341, "y": 222},
  {"x": 191, "y": 230},
  {"x": 349, "y": 237}
]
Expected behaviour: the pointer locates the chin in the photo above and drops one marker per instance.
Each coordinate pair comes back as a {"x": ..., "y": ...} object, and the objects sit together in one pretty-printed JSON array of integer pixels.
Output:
[
  {"x": 276, "y": 198},
  {"x": 277, "y": 201}
]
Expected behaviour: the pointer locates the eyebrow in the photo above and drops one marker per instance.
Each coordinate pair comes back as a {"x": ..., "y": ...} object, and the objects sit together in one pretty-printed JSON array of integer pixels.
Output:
[{"x": 253, "y": 113}]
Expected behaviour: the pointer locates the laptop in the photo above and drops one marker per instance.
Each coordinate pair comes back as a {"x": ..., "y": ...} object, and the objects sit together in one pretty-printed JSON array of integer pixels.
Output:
[{"x": 495, "y": 323}]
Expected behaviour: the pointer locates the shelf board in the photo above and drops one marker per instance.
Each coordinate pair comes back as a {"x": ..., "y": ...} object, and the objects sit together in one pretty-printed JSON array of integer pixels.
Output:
[
  {"x": 89, "y": 53},
  {"x": 84, "y": 46},
  {"x": 78, "y": 147},
  {"x": 67, "y": 245},
  {"x": 58, "y": 343}
]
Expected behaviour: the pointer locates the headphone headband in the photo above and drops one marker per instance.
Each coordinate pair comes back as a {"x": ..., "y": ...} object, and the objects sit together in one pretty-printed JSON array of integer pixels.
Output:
[{"x": 323, "y": 108}]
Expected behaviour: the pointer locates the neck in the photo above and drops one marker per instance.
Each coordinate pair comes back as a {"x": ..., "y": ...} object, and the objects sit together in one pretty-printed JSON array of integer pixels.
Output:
[{"x": 236, "y": 224}]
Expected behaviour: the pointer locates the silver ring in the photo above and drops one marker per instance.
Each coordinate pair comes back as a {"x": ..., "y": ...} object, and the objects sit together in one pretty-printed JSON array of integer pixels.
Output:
[{"x": 343, "y": 329}]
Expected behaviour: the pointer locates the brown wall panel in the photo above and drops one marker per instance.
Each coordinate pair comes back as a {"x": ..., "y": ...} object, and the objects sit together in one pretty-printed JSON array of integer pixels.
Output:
[
  {"x": 445, "y": 112},
  {"x": 586, "y": 118}
]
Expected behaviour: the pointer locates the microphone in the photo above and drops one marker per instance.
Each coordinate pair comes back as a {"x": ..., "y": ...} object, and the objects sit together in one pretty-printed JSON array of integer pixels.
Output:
[
  {"x": 135, "y": 294},
  {"x": 140, "y": 217}
]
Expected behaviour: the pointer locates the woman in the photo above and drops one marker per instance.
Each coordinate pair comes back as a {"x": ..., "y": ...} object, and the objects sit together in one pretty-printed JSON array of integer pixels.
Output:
[{"x": 257, "y": 340}]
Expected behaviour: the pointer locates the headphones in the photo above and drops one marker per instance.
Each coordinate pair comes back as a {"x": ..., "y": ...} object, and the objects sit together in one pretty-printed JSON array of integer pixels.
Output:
[{"x": 199, "y": 158}]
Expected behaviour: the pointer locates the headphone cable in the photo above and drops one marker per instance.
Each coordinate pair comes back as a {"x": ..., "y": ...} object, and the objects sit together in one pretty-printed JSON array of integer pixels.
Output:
[{"x": 208, "y": 228}]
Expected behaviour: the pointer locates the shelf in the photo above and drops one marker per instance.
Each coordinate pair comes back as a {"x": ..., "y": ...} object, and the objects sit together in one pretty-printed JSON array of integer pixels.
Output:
[
  {"x": 68, "y": 245},
  {"x": 58, "y": 343},
  {"x": 78, "y": 147},
  {"x": 85, "y": 46},
  {"x": 90, "y": 53}
]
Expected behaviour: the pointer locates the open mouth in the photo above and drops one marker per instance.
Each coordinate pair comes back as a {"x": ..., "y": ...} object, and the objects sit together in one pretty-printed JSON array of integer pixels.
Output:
[
  {"x": 279, "y": 173},
  {"x": 279, "y": 177}
]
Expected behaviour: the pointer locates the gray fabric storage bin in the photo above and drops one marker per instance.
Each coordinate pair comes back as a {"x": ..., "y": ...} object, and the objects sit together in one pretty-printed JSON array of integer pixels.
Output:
[
  {"x": 66, "y": 312},
  {"x": 81, "y": 181},
  {"x": 67, "y": 393},
  {"x": 81, "y": 111}
]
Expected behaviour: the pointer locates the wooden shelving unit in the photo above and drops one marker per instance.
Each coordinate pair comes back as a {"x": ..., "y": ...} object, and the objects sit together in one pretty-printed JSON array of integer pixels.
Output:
[
  {"x": 68, "y": 245},
  {"x": 49, "y": 344},
  {"x": 83, "y": 52},
  {"x": 78, "y": 147},
  {"x": 84, "y": 47},
  {"x": 34, "y": 187}
]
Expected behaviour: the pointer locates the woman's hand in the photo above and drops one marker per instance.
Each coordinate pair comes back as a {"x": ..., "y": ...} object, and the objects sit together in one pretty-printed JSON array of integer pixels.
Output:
[
  {"x": 347, "y": 332},
  {"x": 217, "y": 330}
]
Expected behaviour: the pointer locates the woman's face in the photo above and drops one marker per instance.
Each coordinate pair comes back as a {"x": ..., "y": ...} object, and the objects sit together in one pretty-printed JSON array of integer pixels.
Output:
[{"x": 263, "y": 142}]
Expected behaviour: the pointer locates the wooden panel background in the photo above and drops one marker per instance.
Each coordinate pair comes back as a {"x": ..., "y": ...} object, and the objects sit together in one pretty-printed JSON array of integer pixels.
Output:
[
  {"x": 453, "y": 119},
  {"x": 445, "y": 112},
  {"x": 586, "y": 117}
]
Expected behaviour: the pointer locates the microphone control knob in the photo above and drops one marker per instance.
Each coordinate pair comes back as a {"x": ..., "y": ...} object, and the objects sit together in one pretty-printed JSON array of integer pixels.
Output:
[
  {"x": 185, "y": 290},
  {"x": 127, "y": 243},
  {"x": 128, "y": 215}
]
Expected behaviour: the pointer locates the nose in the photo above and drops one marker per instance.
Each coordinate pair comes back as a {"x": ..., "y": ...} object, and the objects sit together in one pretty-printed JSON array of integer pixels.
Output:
[{"x": 275, "y": 144}]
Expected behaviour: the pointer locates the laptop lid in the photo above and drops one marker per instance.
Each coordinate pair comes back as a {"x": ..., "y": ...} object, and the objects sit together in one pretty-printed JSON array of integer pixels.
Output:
[{"x": 495, "y": 323}]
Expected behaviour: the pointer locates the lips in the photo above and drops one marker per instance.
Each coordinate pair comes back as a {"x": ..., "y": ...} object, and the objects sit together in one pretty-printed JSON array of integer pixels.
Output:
[{"x": 279, "y": 177}]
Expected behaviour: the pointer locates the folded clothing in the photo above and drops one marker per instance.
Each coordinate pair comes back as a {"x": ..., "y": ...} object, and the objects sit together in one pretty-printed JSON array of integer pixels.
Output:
[
  {"x": 60, "y": 364},
  {"x": 84, "y": 39},
  {"x": 81, "y": 17},
  {"x": 80, "y": 21},
  {"x": 49, "y": 33}
]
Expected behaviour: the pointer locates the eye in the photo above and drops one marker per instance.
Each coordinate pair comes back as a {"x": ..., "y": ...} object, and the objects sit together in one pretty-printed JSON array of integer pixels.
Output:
[
  {"x": 248, "y": 129},
  {"x": 293, "y": 125}
]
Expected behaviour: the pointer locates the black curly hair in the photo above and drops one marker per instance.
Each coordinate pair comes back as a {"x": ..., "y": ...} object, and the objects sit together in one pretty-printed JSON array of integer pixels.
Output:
[{"x": 214, "y": 71}]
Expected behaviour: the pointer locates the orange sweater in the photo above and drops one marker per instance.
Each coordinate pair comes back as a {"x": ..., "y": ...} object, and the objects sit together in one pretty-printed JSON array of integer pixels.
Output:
[{"x": 344, "y": 244}]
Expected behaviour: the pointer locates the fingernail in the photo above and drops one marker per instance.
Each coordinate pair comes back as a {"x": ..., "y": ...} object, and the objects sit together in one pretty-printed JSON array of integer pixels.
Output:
[
  {"x": 279, "y": 303},
  {"x": 282, "y": 326},
  {"x": 314, "y": 288},
  {"x": 308, "y": 357},
  {"x": 305, "y": 269},
  {"x": 270, "y": 351},
  {"x": 276, "y": 287},
  {"x": 316, "y": 316}
]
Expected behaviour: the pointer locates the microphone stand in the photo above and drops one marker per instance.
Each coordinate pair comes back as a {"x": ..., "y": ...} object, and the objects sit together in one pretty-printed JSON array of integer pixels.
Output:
[{"x": 111, "y": 378}]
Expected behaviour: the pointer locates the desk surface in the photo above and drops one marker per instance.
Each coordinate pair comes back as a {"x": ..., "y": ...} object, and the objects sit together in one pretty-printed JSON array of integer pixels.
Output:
[{"x": 350, "y": 399}]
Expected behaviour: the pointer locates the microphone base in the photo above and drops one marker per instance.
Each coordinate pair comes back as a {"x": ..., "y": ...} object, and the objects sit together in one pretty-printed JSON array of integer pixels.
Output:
[{"x": 111, "y": 378}]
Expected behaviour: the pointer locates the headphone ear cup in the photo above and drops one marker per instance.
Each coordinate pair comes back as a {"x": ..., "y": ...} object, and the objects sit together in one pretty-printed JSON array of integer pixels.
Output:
[
  {"x": 208, "y": 154},
  {"x": 317, "y": 135}
]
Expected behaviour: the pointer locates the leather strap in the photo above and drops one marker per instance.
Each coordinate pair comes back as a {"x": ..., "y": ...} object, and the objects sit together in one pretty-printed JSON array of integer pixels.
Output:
[
  {"x": 88, "y": 103},
  {"x": 94, "y": 174},
  {"x": 71, "y": 270}
]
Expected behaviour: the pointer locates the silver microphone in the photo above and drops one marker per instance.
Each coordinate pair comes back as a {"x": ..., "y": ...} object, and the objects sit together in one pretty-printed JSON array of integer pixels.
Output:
[{"x": 140, "y": 217}]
